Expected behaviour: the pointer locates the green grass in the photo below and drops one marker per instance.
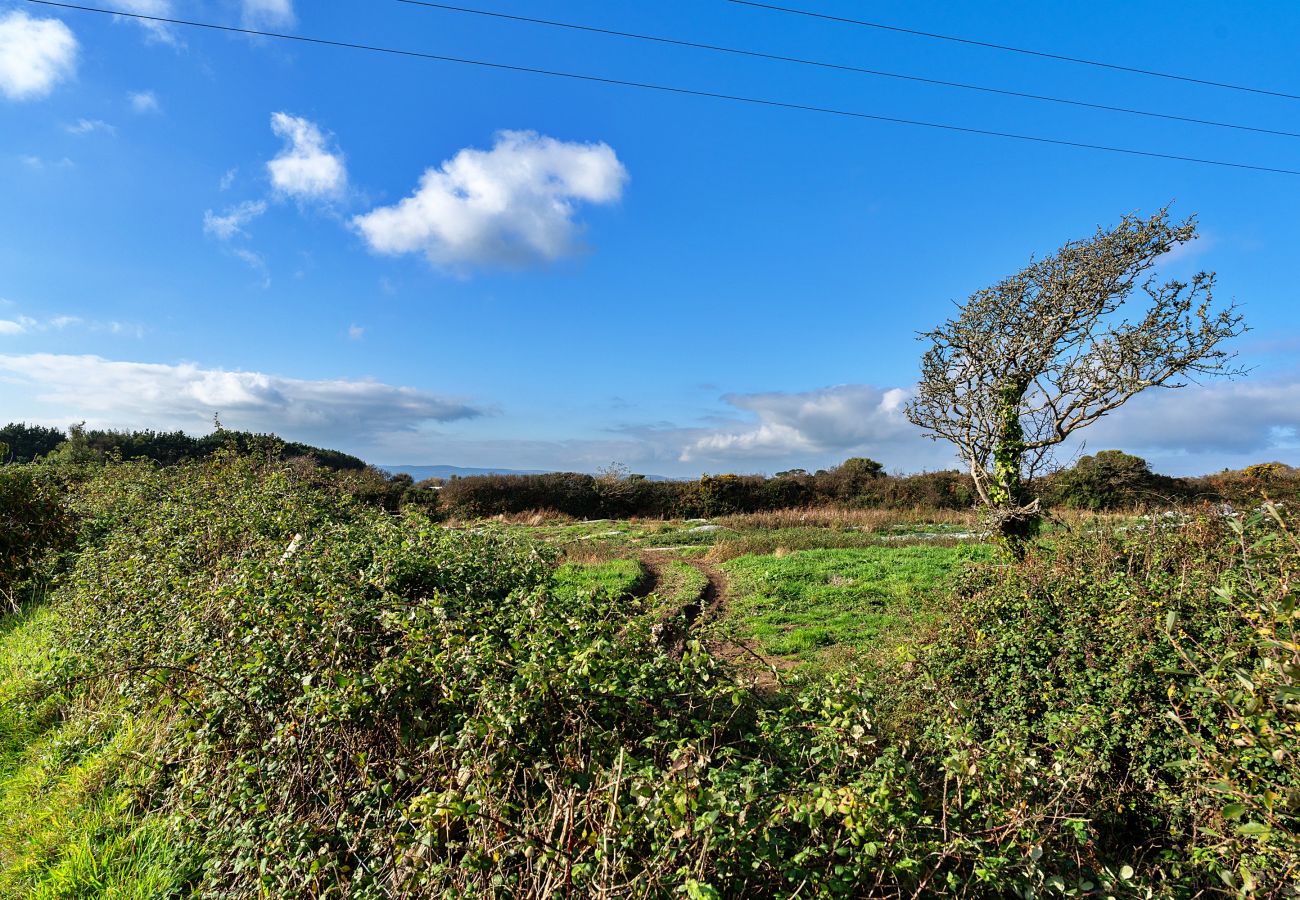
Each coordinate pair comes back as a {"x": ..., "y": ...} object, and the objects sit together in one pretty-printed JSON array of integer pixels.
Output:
[
  {"x": 680, "y": 583},
  {"x": 823, "y": 606},
  {"x": 70, "y": 822},
  {"x": 616, "y": 578}
]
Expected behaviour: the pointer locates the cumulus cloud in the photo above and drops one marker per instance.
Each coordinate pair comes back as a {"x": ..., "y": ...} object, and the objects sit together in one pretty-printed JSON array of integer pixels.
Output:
[
  {"x": 305, "y": 169},
  {"x": 511, "y": 205},
  {"x": 812, "y": 422},
  {"x": 61, "y": 387},
  {"x": 267, "y": 12},
  {"x": 144, "y": 101},
  {"x": 35, "y": 55},
  {"x": 231, "y": 223}
]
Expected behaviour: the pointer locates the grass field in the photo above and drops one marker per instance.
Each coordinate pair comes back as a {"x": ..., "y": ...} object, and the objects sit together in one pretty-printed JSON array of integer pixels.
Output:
[
  {"x": 804, "y": 590},
  {"x": 822, "y": 606}
]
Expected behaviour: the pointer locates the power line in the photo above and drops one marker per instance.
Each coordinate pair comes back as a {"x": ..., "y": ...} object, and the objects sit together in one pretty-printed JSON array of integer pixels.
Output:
[
  {"x": 756, "y": 101},
  {"x": 737, "y": 51},
  {"x": 992, "y": 46}
]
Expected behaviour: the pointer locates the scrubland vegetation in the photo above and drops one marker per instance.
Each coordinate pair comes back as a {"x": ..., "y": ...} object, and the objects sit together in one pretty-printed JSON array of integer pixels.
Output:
[{"x": 244, "y": 676}]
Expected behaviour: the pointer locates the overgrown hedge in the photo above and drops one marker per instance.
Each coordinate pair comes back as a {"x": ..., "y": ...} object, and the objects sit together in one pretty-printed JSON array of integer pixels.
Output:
[
  {"x": 1109, "y": 480},
  {"x": 355, "y": 705},
  {"x": 587, "y": 496}
]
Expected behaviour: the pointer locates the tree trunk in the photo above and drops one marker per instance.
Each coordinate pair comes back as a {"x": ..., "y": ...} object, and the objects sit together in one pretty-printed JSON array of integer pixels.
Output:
[{"x": 1014, "y": 515}]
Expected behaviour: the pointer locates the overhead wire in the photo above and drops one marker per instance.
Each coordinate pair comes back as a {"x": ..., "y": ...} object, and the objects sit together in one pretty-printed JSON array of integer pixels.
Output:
[
  {"x": 757, "y": 4},
  {"x": 672, "y": 89},
  {"x": 862, "y": 70}
]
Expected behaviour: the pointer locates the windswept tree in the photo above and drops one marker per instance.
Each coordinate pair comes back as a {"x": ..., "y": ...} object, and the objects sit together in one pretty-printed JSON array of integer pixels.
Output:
[{"x": 1053, "y": 348}]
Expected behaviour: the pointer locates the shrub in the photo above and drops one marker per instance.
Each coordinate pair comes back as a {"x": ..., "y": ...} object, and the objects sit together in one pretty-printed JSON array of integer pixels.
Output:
[
  {"x": 1110, "y": 479},
  {"x": 1074, "y": 658},
  {"x": 35, "y": 523}
]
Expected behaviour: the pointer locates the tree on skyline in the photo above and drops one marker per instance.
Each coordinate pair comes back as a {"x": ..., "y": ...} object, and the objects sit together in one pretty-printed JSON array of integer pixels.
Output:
[{"x": 1049, "y": 350}]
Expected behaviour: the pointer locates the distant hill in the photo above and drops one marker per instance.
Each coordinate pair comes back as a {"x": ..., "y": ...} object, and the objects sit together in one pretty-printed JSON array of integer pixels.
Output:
[{"x": 419, "y": 473}]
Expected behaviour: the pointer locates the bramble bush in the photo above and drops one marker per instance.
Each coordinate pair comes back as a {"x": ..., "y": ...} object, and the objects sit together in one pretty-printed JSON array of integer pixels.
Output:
[
  {"x": 1152, "y": 669},
  {"x": 35, "y": 524},
  {"x": 354, "y": 704}
]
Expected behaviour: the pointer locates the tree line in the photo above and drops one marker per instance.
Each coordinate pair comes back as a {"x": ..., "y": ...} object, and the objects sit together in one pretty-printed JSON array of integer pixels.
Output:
[{"x": 1108, "y": 480}]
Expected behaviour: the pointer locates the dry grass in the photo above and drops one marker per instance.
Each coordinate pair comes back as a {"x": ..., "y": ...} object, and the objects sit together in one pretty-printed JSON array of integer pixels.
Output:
[
  {"x": 532, "y": 517},
  {"x": 848, "y": 519}
]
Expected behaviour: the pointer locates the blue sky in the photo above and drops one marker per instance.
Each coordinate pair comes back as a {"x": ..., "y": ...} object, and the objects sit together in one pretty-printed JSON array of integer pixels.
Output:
[{"x": 194, "y": 222}]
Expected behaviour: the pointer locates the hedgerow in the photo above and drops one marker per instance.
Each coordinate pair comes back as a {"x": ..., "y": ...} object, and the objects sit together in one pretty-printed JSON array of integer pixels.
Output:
[{"x": 349, "y": 703}]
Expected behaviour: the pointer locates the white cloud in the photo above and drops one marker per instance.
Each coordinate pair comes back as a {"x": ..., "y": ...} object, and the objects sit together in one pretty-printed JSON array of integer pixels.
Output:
[
  {"x": 356, "y": 332},
  {"x": 28, "y": 325},
  {"x": 144, "y": 102},
  {"x": 88, "y": 126},
  {"x": 267, "y": 12},
  {"x": 35, "y": 55},
  {"x": 1243, "y": 417},
  {"x": 157, "y": 31},
  {"x": 511, "y": 205},
  {"x": 813, "y": 422},
  {"x": 16, "y": 326},
  {"x": 233, "y": 220},
  {"x": 39, "y": 164},
  {"x": 227, "y": 179},
  {"x": 305, "y": 168},
  {"x": 104, "y": 392},
  {"x": 1189, "y": 431}
]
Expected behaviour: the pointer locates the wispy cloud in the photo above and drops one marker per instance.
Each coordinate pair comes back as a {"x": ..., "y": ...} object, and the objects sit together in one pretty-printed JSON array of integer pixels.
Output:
[
  {"x": 89, "y": 126},
  {"x": 267, "y": 12},
  {"x": 29, "y": 325},
  {"x": 356, "y": 332},
  {"x": 144, "y": 102},
  {"x": 227, "y": 225},
  {"x": 35, "y": 55},
  {"x": 39, "y": 163},
  {"x": 161, "y": 32},
  {"x": 512, "y": 205}
]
